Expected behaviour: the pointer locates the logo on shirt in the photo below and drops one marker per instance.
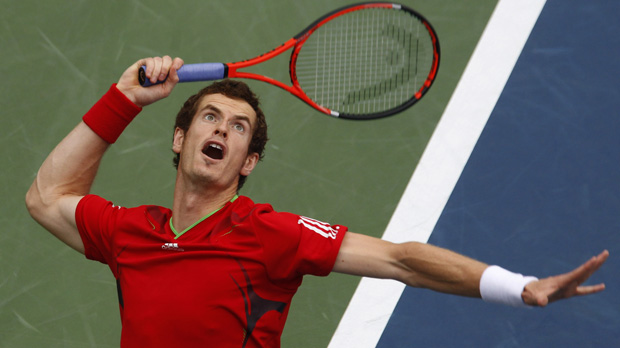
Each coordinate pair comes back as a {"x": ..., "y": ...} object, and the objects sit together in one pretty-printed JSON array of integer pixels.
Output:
[
  {"x": 321, "y": 228},
  {"x": 172, "y": 246}
]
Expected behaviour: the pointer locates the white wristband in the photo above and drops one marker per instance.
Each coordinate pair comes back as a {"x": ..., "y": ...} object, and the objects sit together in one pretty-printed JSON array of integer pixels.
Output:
[{"x": 498, "y": 285}]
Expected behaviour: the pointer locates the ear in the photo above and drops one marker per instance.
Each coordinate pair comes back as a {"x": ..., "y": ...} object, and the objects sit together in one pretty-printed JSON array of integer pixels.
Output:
[
  {"x": 177, "y": 140},
  {"x": 250, "y": 163}
]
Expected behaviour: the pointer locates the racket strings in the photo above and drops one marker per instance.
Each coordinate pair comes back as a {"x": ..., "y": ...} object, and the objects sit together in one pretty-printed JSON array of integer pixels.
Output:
[
  {"x": 366, "y": 61},
  {"x": 384, "y": 86}
]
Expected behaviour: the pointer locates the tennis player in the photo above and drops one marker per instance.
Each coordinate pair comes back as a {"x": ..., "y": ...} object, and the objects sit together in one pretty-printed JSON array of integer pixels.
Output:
[{"x": 217, "y": 269}]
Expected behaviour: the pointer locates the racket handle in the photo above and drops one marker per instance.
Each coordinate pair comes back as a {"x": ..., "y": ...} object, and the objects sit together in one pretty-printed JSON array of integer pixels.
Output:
[{"x": 190, "y": 73}]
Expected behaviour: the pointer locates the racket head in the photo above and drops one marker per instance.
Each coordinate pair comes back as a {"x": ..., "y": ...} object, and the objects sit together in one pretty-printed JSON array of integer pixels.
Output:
[{"x": 365, "y": 61}]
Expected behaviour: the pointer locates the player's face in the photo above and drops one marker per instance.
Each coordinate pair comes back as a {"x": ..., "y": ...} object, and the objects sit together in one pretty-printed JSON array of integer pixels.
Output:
[{"x": 215, "y": 148}]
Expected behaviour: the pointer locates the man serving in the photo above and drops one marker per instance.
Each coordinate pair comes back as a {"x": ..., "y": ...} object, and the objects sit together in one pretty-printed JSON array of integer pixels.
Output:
[{"x": 218, "y": 269}]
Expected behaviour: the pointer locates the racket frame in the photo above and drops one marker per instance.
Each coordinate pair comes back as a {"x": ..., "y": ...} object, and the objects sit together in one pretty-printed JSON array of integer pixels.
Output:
[{"x": 231, "y": 70}]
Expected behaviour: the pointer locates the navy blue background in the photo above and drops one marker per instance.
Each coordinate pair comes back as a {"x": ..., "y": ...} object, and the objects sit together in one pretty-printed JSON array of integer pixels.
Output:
[{"x": 540, "y": 193}]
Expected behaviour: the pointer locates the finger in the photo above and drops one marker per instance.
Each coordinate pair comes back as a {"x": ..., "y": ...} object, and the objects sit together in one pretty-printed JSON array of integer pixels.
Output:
[
  {"x": 165, "y": 67},
  {"x": 595, "y": 263},
  {"x": 598, "y": 261},
  {"x": 583, "y": 272},
  {"x": 177, "y": 63},
  {"x": 603, "y": 256},
  {"x": 173, "y": 77},
  {"x": 148, "y": 62},
  {"x": 157, "y": 63},
  {"x": 590, "y": 289}
]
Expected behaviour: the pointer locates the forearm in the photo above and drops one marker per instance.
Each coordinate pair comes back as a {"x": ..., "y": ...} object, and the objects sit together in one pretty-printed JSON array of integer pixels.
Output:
[
  {"x": 69, "y": 171},
  {"x": 445, "y": 271},
  {"x": 438, "y": 269},
  {"x": 71, "y": 167},
  {"x": 415, "y": 264}
]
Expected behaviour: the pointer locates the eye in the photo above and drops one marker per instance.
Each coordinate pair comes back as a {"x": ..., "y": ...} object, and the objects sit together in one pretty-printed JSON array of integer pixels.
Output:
[
  {"x": 210, "y": 117},
  {"x": 239, "y": 127}
]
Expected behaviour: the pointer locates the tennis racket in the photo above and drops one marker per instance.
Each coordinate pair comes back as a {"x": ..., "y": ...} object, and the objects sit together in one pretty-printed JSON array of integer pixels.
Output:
[{"x": 363, "y": 61}]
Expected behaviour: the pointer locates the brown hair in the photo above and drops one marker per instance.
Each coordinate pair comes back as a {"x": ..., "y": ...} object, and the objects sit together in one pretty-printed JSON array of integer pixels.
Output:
[{"x": 231, "y": 89}]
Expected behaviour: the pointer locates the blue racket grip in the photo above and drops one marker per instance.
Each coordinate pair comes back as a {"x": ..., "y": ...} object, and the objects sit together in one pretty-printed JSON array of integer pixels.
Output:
[{"x": 190, "y": 73}]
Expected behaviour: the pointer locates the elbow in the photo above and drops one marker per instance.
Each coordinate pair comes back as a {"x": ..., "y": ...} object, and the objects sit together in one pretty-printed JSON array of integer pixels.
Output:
[{"x": 33, "y": 200}]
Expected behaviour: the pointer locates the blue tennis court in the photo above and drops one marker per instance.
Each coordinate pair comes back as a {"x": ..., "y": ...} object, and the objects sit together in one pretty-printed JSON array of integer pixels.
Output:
[{"x": 539, "y": 194}]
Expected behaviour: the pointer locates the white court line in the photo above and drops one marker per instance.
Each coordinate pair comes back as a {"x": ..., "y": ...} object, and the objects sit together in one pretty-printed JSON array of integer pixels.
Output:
[{"x": 443, "y": 161}]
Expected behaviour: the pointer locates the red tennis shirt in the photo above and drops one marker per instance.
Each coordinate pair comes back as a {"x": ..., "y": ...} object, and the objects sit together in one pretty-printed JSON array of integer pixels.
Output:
[{"x": 227, "y": 281}]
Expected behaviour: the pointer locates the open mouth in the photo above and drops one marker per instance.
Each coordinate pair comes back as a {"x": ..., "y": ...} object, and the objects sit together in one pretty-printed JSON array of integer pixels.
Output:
[{"x": 213, "y": 151}]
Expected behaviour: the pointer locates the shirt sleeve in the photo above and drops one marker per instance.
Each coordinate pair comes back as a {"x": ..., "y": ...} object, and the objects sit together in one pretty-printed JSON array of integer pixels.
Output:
[
  {"x": 295, "y": 245},
  {"x": 96, "y": 220}
]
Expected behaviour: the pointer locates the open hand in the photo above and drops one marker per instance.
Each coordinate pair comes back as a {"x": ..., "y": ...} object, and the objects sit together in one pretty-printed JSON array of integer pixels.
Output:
[{"x": 547, "y": 290}]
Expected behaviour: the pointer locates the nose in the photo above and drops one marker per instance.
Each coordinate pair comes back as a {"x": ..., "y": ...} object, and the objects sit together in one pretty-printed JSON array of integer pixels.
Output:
[{"x": 221, "y": 130}]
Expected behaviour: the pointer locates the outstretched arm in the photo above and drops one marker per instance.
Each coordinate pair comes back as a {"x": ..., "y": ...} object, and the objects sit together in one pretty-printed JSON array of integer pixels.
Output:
[
  {"x": 67, "y": 174},
  {"x": 427, "y": 266},
  {"x": 415, "y": 264}
]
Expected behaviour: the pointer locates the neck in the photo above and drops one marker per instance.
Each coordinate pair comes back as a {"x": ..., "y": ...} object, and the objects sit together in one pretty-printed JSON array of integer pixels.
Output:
[{"x": 191, "y": 203}]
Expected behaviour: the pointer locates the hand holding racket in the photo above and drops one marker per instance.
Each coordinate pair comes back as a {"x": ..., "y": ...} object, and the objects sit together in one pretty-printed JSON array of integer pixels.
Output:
[{"x": 361, "y": 61}]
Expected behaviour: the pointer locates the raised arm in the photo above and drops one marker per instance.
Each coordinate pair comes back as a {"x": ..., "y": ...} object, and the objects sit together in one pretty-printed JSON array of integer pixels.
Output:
[
  {"x": 67, "y": 174},
  {"x": 427, "y": 266}
]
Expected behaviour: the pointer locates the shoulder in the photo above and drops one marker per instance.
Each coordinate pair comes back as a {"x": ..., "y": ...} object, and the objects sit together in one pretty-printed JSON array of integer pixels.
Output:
[
  {"x": 245, "y": 207},
  {"x": 91, "y": 206},
  {"x": 247, "y": 202},
  {"x": 295, "y": 225},
  {"x": 262, "y": 219}
]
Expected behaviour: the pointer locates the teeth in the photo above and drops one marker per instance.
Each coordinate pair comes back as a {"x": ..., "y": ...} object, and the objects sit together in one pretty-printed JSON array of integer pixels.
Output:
[{"x": 215, "y": 146}]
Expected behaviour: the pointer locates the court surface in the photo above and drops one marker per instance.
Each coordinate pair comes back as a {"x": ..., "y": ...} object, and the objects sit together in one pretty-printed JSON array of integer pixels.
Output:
[{"x": 537, "y": 192}]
